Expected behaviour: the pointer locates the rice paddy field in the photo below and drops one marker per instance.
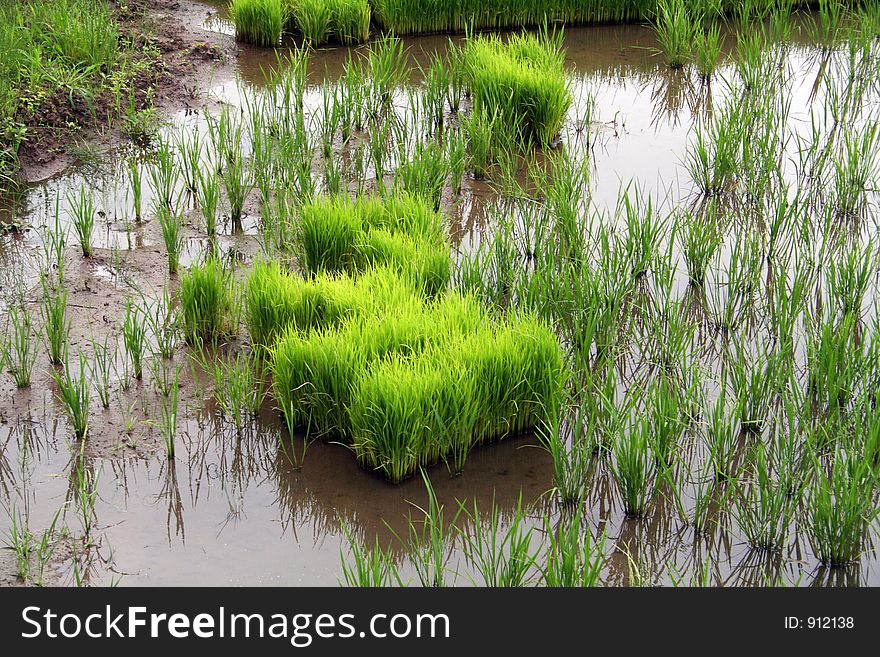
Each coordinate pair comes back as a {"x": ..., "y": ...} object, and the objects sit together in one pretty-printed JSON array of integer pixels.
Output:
[{"x": 451, "y": 294}]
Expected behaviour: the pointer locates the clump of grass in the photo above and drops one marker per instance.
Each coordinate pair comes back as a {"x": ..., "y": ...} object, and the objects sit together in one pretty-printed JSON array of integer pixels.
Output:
[
  {"x": 102, "y": 364},
  {"x": 172, "y": 234},
  {"x": 700, "y": 238},
  {"x": 425, "y": 173},
  {"x": 134, "y": 337},
  {"x": 428, "y": 16},
  {"x": 209, "y": 198},
  {"x": 634, "y": 467},
  {"x": 82, "y": 210},
  {"x": 312, "y": 19},
  {"x": 425, "y": 386},
  {"x": 75, "y": 393},
  {"x": 372, "y": 567},
  {"x": 766, "y": 497},
  {"x": 56, "y": 325},
  {"x": 258, "y": 22},
  {"x": 402, "y": 232},
  {"x": 573, "y": 558},
  {"x": 429, "y": 547},
  {"x": 20, "y": 351},
  {"x": 479, "y": 132},
  {"x": 238, "y": 385},
  {"x": 676, "y": 31},
  {"x": 168, "y": 414},
  {"x": 277, "y": 300},
  {"x": 164, "y": 324},
  {"x": 403, "y": 413},
  {"x": 521, "y": 82},
  {"x": 500, "y": 557},
  {"x": 319, "y": 20},
  {"x": 708, "y": 44},
  {"x": 841, "y": 505},
  {"x": 205, "y": 301},
  {"x": 571, "y": 451},
  {"x": 238, "y": 183}
]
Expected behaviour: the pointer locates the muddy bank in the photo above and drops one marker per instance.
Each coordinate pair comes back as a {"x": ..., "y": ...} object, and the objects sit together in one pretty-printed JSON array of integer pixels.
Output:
[{"x": 189, "y": 58}]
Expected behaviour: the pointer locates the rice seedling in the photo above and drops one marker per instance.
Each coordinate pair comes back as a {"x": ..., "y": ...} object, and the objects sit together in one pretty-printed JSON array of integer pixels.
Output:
[
  {"x": 56, "y": 324},
  {"x": 82, "y": 211},
  {"x": 765, "y": 500},
  {"x": 190, "y": 153},
  {"x": 573, "y": 558},
  {"x": 168, "y": 414},
  {"x": 134, "y": 338},
  {"x": 521, "y": 82},
  {"x": 312, "y": 19},
  {"x": 707, "y": 45},
  {"x": 634, "y": 467},
  {"x": 163, "y": 322},
  {"x": 841, "y": 505},
  {"x": 21, "y": 354},
  {"x": 258, "y": 22},
  {"x": 74, "y": 392},
  {"x": 136, "y": 184},
  {"x": 21, "y": 542},
  {"x": 572, "y": 456},
  {"x": 172, "y": 234},
  {"x": 238, "y": 183},
  {"x": 429, "y": 546},
  {"x": 239, "y": 386},
  {"x": 855, "y": 170},
  {"x": 849, "y": 277},
  {"x": 84, "y": 486},
  {"x": 429, "y": 16},
  {"x": 700, "y": 239},
  {"x": 163, "y": 176},
  {"x": 723, "y": 437},
  {"x": 754, "y": 380},
  {"x": 643, "y": 234},
  {"x": 205, "y": 301},
  {"x": 103, "y": 360},
  {"x": 350, "y": 20},
  {"x": 388, "y": 68},
  {"x": 373, "y": 568},
  {"x": 500, "y": 557},
  {"x": 31, "y": 555},
  {"x": 667, "y": 420},
  {"x": 209, "y": 198},
  {"x": 480, "y": 136},
  {"x": 675, "y": 29},
  {"x": 835, "y": 361},
  {"x": 425, "y": 174}
]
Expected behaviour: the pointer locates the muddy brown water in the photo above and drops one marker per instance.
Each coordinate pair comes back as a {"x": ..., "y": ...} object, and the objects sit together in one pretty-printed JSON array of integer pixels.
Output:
[{"x": 231, "y": 509}]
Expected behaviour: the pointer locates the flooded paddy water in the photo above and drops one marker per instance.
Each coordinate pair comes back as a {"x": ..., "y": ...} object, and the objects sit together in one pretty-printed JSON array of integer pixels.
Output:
[{"x": 232, "y": 507}]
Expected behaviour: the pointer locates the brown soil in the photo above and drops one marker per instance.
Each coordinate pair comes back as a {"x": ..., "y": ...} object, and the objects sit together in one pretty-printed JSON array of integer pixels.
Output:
[{"x": 189, "y": 57}]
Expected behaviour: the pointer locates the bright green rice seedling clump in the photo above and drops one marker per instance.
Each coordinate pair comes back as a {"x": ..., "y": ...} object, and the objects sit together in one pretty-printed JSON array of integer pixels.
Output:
[
  {"x": 205, "y": 299},
  {"x": 419, "y": 16},
  {"x": 259, "y": 22},
  {"x": 401, "y": 232},
  {"x": 277, "y": 300},
  {"x": 521, "y": 82},
  {"x": 411, "y": 381},
  {"x": 320, "y": 20}
]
